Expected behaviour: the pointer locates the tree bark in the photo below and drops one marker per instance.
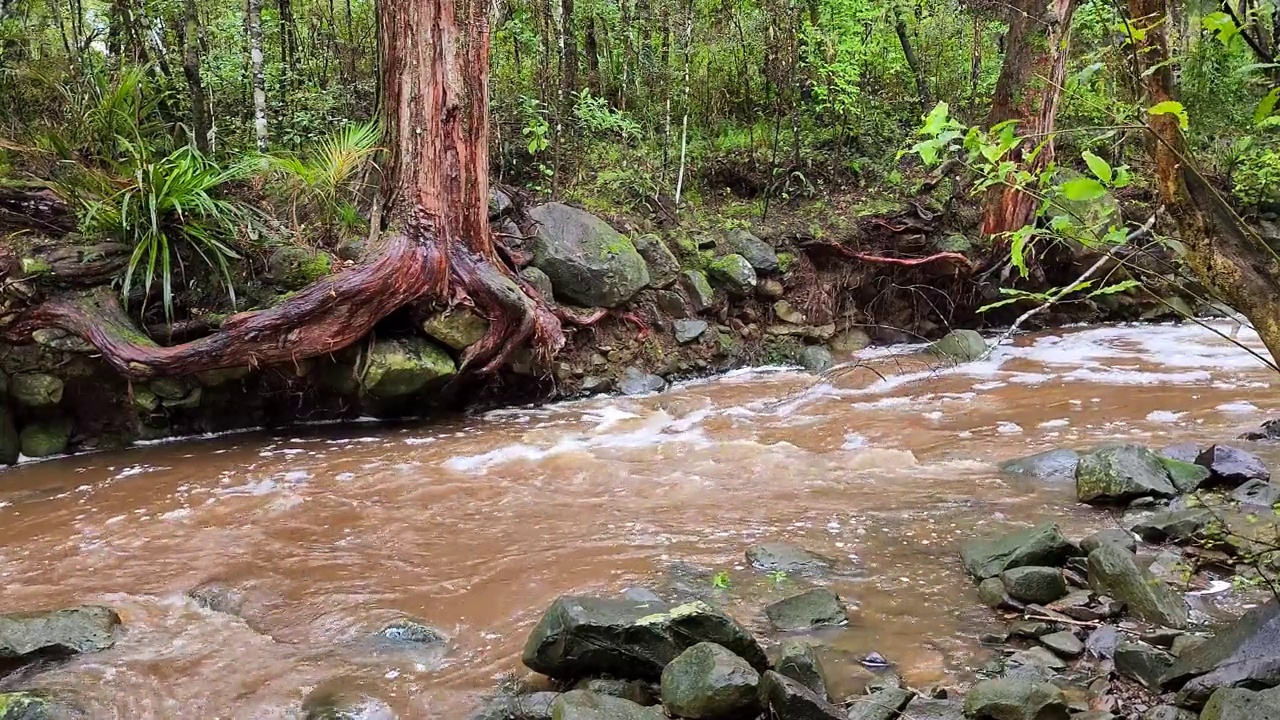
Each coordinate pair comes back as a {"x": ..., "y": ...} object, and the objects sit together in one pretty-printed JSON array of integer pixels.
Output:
[
  {"x": 258, "y": 77},
  {"x": 568, "y": 51},
  {"x": 913, "y": 62},
  {"x": 1028, "y": 90},
  {"x": 191, "y": 69},
  {"x": 436, "y": 244},
  {"x": 1228, "y": 258}
]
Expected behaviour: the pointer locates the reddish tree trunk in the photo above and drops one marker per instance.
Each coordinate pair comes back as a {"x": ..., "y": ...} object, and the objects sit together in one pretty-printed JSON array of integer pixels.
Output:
[
  {"x": 1028, "y": 91},
  {"x": 437, "y": 243}
]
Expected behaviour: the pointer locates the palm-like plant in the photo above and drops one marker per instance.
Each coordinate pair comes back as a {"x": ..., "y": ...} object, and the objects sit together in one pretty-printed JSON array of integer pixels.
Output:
[{"x": 317, "y": 178}]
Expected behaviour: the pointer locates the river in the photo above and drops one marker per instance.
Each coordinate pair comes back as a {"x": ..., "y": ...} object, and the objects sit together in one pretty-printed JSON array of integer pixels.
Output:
[{"x": 477, "y": 524}]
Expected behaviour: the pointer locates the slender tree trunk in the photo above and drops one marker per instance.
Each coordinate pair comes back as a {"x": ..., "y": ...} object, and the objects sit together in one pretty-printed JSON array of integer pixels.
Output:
[
  {"x": 258, "y": 76},
  {"x": 1028, "y": 91},
  {"x": 191, "y": 69},
  {"x": 1226, "y": 256},
  {"x": 592, "y": 48},
  {"x": 568, "y": 50},
  {"x": 975, "y": 58},
  {"x": 288, "y": 45},
  {"x": 913, "y": 62}
]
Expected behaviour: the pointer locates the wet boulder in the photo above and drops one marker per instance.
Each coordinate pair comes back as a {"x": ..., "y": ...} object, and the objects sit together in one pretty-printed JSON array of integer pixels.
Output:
[
  {"x": 1142, "y": 663},
  {"x": 993, "y": 594},
  {"x": 1185, "y": 476},
  {"x": 635, "y": 381},
  {"x": 1063, "y": 643},
  {"x": 589, "y": 263},
  {"x": 583, "y": 705},
  {"x": 639, "y": 692},
  {"x": 757, "y": 252},
  {"x": 849, "y": 341},
  {"x": 812, "y": 608},
  {"x": 789, "y": 700},
  {"x": 959, "y": 346},
  {"x": 786, "y": 558},
  {"x": 1015, "y": 699},
  {"x": 886, "y": 704},
  {"x": 1232, "y": 466},
  {"x": 217, "y": 596},
  {"x": 816, "y": 358},
  {"x": 798, "y": 661},
  {"x": 707, "y": 682},
  {"x": 662, "y": 264},
  {"x": 1240, "y": 704},
  {"x": 698, "y": 288},
  {"x": 1244, "y": 654},
  {"x": 1034, "y": 584},
  {"x": 83, "y": 629},
  {"x": 344, "y": 699},
  {"x": 584, "y": 636},
  {"x": 1052, "y": 465},
  {"x": 1252, "y": 494},
  {"x": 735, "y": 274},
  {"x": 1175, "y": 526},
  {"x": 35, "y": 390},
  {"x": 45, "y": 438},
  {"x": 459, "y": 327},
  {"x": 1115, "y": 536},
  {"x": 1120, "y": 473},
  {"x": 1114, "y": 572},
  {"x": 411, "y": 639},
  {"x": 400, "y": 367},
  {"x": 1041, "y": 545}
]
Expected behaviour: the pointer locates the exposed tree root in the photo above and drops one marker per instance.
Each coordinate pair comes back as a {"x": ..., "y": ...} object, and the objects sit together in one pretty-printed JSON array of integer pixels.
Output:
[
  {"x": 951, "y": 257},
  {"x": 39, "y": 209}
]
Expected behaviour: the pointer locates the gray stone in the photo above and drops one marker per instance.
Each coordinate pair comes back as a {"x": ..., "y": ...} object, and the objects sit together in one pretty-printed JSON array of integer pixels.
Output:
[
  {"x": 1053, "y": 465},
  {"x": 1115, "y": 536},
  {"x": 1239, "y": 704},
  {"x": 582, "y": 636},
  {"x": 1257, "y": 494},
  {"x": 1177, "y": 526},
  {"x": 770, "y": 289},
  {"x": 756, "y": 251},
  {"x": 588, "y": 262},
  {"x": 1185, "y": 451},
  {"x": 673, "y": 304},
  {"x": 400, "y": 367},
  {"x": 45, "y": 438},
  {"x": 783, "y": 310},
  {"x": 218, "y": 597},
  {"x": 1039, "y": 657},
  {"x": 638, "y": 382},
  {"x": 884, "y": 704},
  {"x": 798, "y": 661},
  {"x": 10, "y": 444},
  {"x": 1064, "y": 643},
  {"x": 959, "y": 346},
  {"x": 637, "y": 691},
  {"x": 531, "y": 706},
  {"x": 923, "y": 708},
  {"x": 707, "y": 682},
  {"x": 1232, "y": 466},
  {"x": 83, "y": 629},
  {"x": 1184, "y": 644},
  {"x": 1040, "y": 545},
  {"x": 789, "y": 700},
  {"x": 1120, "y": 473},
  {"x": 35, "y": 390},
  {"x": 735, "y": 274},
  {"x": 695, "y": 285},
  {"x": 539, "y": 281},
  {"x": 1185, "y": 476},
  {"x": 1034, "y": 583},
  {"x": 583, "y": 705},
  {"x": 849, "y": 341},
  {"x": 786, "y": 558},
  {"x": 62, "y": 341},
  {"x": 811, "y": 608},
  {"x": 689, "y": 330},
  {"x": 1103, "y": 641},
  {"x": 816, "y": 358},
  {"x": 1142, "y": 663},
  {"x": 1246, "y": 653},
  {"x": 993, "y": 594},
  {"x": 459, "y": 327},
  {"x": 595, "y": 384},
  {"x": 1013, "y": 699},
  {"x": 662, "y": 264},
  {"x": 1168, "y": 712},
  {"x": 1114, "y": 572}
]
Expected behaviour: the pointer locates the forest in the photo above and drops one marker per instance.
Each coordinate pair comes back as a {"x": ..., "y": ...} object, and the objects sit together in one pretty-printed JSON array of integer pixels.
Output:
[{"x": 1045, "y": 153}]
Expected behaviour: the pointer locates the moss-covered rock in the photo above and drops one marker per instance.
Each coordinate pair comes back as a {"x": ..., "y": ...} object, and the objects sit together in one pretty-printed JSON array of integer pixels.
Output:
[
  {"x": 735, "y": 274},
  {"x": 403, "y": 366},
  {"x": 43, "y": 438},
  {"x": 959, "y": 346},
  {"x": 588, "y": 262},
  {"x": 1120, "y": 473},
  {"x": 539, "y": 281},
  {"x": 25, "y": 706},
  {"x": 707, "y": 681},
  {"x": 458, "y": 327},
  {"x": 756, "y": 251},
  {"x": 696, "y": 286},
  {"x": 293, "y": 267},
  {"x": 36, "y": 390},
  {"x": 1186, "y": 477},
  {"x": 62, "y": 341},
  {"x": 662, "y": 264}
]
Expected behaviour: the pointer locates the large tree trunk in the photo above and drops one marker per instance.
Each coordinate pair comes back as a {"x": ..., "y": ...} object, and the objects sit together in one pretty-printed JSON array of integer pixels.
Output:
[
  {"x": 1028, "y": 91},
  {"x": 191, "y": 69},
  {"x": 436, "y": 244},
  {"x": 258, "y": 77},
  {"x": 1226, "y": 256}
]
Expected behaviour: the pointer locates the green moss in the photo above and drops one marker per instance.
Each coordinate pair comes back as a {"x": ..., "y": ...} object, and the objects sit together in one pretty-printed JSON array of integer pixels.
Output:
[
  {"x": 35, "y": 266},
  {"x": 318, "y": 266},
  {"x": 23, "y": 706},
  {"x": 785, "y": 261}
]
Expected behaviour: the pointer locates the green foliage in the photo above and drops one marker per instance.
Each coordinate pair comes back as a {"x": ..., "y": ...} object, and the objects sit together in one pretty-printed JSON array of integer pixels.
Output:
[
  {"x": 318, "y": 177},
  {"x": 721, "y": 580},
  {"x": 1256, "y": 177}
]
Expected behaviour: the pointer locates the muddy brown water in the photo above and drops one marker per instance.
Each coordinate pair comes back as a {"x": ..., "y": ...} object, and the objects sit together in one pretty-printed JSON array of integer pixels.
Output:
[{"x": 476, "y": 525}]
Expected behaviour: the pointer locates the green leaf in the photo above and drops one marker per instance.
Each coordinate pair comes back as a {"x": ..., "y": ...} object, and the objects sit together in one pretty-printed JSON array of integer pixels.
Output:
[
  {"x": 936, "y": 120},
  {"x": 1017, "y": 248},
  {"x": 1002, "y": 303},
  {"x": 1101, "y": 168},
  {"x": 1267, "y": 106},
  {"x": 1170, "y": 107},
  {"x": 1113, "y": 289},
  {"x": 1082, "y": 189}
]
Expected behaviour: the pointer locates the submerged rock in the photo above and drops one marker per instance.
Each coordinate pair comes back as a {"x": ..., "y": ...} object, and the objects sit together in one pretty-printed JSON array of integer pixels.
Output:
[
  {"x": 1040, "y": 545},
  {"x": 959, "y": 346},
  {"x": 218, "y": 597},
  {"x": 1015, "y": 699},
  {"x": 584, "y": 636},
  {"x": 83, "y": 629},
  {"x": 1120, "y": 473},
  {"x": 587, "y": 261},
  {"x": 331, "y": 702},
  {"x": 662, "y": 264},
  {"x": 1247, "y": 653},
  {"x": 735, "y": 273},
  {"x": 811, "y": 608},
  {"x": 1034, "y": 584},
  {"x": 1056, "y": 465},
  {"x": 707, "y": 682},
  {"x": 1232, "y": 466},
  {"x": 1114, "y": 572},
  {"x": 583, "y": 705},
  {"x": 401, "y": 367},
  {"x": 757, "y": 252},
  {"x": 786, "y": 558},
  {"x": 798, "y": 661},
  {"x": 789, "y": 700}
]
